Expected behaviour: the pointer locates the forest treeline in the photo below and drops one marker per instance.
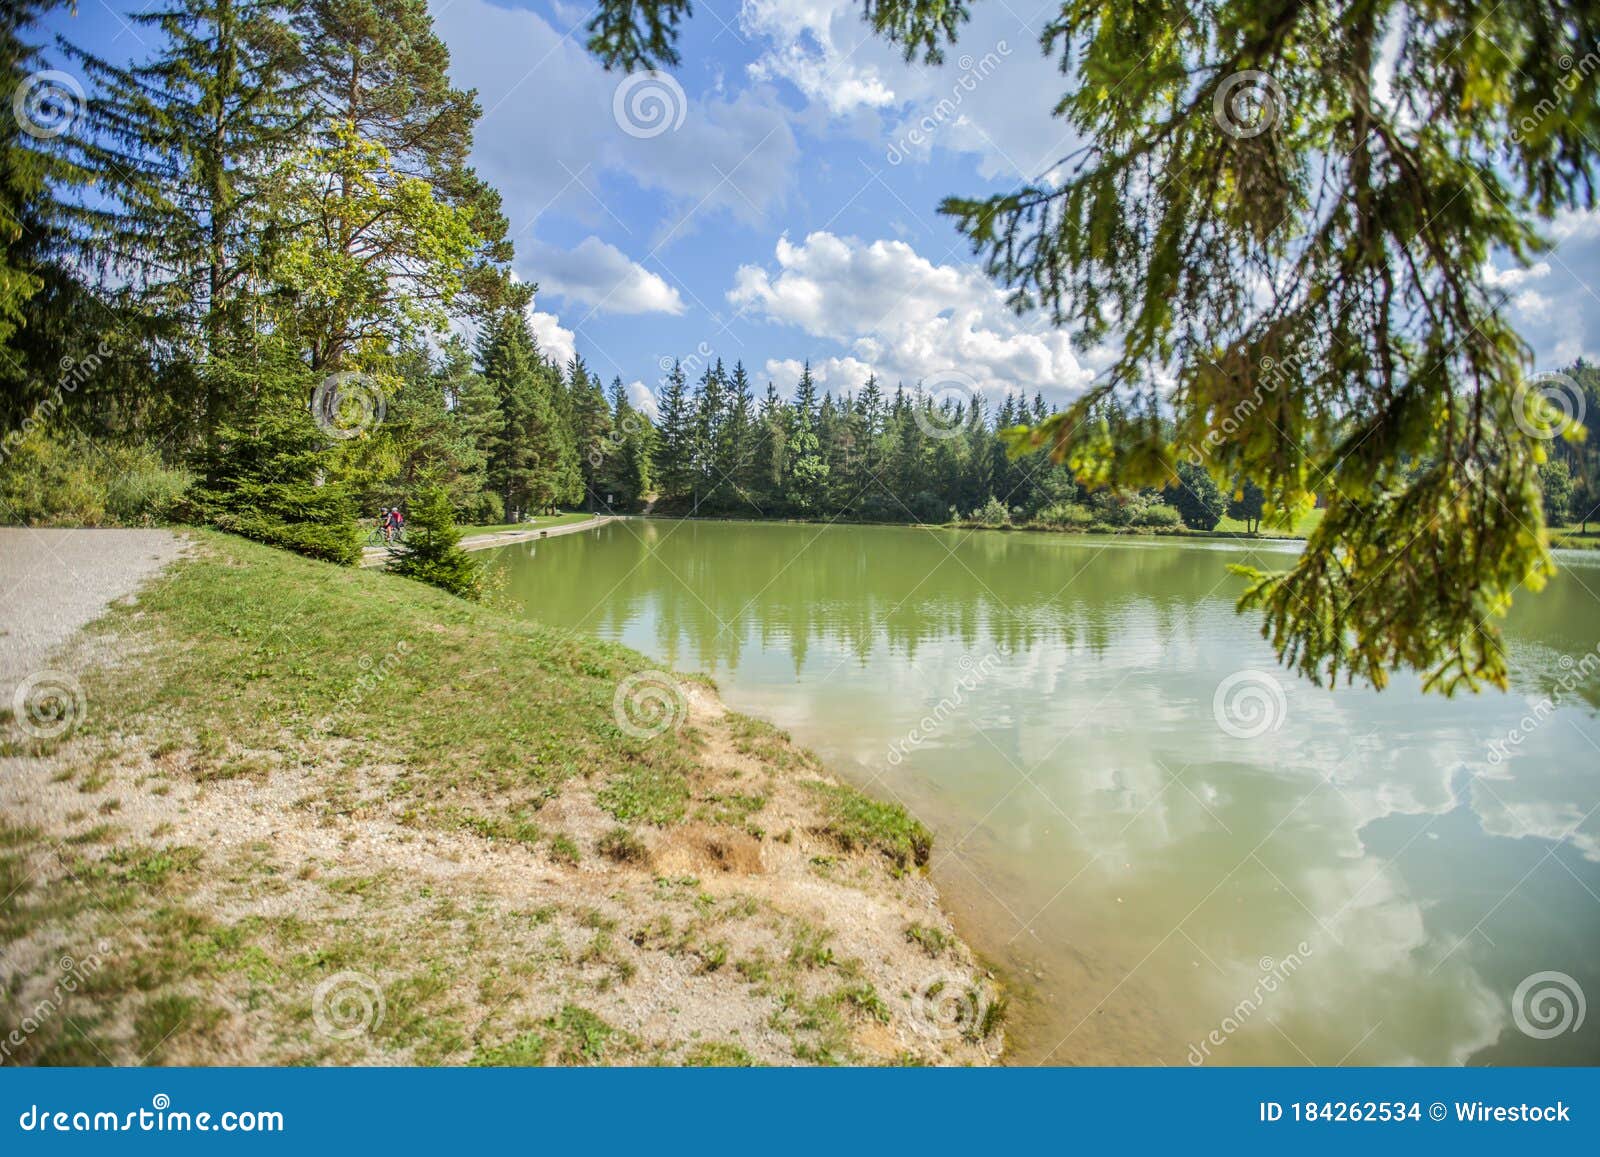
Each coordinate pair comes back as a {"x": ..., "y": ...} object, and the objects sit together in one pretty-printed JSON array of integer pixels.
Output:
[{"x": 251, "y": 281}]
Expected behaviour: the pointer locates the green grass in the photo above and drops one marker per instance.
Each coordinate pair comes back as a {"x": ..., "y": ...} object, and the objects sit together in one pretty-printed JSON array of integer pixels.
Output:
[
  {"x": 383, "y": 696},
  {"x": 489, "y": 715},
  {"x": 1303, "y": 526},
  {"x": 1573, "y": 538},
  {"x": 856, "y": 821}
]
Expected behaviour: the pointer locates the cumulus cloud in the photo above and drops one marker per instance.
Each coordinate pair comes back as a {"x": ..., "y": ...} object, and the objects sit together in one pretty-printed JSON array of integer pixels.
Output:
[
  {"x": 1514, "y": 278},
  {"x": 602, "y": 276},
  {"x": 558, "y": 343},
  {"x": 803, "y": 50},
  {"x": 905, "y": 316},
  {"x": 991, "y": 97},
  {"x": 549, "y": 134}
]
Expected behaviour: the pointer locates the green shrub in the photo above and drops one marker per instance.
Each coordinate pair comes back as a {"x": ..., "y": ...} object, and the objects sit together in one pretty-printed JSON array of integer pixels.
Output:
[
  {"x": 991, "y": 513},
  {"x": 1066, "y": 515},
  {"x": 1158, "y": 517},
  {"x": 432, "y": 553},
  {"x": 47, "y": 479}
]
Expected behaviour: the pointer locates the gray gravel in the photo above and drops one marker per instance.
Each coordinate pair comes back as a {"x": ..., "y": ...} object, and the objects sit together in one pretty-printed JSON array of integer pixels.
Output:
[{"x": 54, "y": 582}]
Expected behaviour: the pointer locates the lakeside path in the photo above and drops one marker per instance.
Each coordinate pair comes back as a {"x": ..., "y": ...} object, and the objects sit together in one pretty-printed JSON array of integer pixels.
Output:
[
  {"x": 377, "y": 555},
  {"x": 55, "y": 582}
]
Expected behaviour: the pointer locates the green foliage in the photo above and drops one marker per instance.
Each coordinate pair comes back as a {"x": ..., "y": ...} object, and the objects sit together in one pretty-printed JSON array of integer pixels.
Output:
[
  {"x": 1196, "y": 497},
  {"x": 47, "y": 479},
  {"x": 267, "y": 475},
  {"x": 431, "y": 550}
]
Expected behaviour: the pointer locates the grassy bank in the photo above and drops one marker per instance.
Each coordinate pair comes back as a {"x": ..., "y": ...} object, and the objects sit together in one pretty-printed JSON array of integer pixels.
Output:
[{"x": 319, "y": 815}]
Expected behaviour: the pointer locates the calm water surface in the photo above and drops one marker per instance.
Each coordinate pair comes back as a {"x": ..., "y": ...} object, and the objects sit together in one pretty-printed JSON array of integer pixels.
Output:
[{"x": 1306, "y": 876}]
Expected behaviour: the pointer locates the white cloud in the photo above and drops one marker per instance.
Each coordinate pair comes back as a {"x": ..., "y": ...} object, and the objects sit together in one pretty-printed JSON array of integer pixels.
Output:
[
  {"x": 991, "y": 97},
  {"x": 549, "y": 136},
  {"x": 643, "y": 398},
  {"x": 602, "y": 276},
  {"x": 558, "y": 343},
  {"x": 904, "y": 316},
  {"x": 804, "y": 52},
  {"x": 1514, "y": 278},
  {"x": 1576, "y": 225}
]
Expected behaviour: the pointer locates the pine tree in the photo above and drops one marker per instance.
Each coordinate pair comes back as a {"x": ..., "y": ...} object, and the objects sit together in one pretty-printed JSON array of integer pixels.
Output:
[
  {"x": 378, "y": 67},
  {"x": 674, "y": 450},
  {"x": 185, "y": 146},
  {"x": 33, "y": 220},
  {"x": 808, "y": 471},
  {"x": 266, "y": 475},
  {"x": 431, "y": 551}
]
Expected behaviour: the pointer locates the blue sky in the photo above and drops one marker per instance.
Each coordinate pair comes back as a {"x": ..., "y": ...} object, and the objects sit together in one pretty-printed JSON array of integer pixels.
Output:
[{"x": 774, "y": 200}]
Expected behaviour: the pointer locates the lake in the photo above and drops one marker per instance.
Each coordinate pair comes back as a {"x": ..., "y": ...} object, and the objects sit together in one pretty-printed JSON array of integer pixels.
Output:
[{"x": 1177, "y": 851}]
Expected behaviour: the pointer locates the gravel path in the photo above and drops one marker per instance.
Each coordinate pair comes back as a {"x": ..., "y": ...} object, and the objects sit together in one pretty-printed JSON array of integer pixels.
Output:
[
  {"x": 54, "y": 582},
  {"x": 378, "y": 555}
]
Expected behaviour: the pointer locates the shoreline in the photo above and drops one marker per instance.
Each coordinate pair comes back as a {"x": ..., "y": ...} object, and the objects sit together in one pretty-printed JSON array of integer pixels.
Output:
[
  {"x": 708, "y": 894},
  {"x": 377, "y": 555}
]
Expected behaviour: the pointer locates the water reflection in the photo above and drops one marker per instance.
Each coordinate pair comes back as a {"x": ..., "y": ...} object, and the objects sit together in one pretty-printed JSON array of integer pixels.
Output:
[{"x": 1144, "y": 868}]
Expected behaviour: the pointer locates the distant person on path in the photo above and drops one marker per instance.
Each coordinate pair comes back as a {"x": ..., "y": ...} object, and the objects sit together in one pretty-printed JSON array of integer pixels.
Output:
[{"x": 397, "y": 522}]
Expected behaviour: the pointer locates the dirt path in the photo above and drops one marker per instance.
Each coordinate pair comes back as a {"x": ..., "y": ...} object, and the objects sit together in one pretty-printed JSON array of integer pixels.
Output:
[
  {"x": 54, "y": 582},
  {"x": 377, "y": 555}
]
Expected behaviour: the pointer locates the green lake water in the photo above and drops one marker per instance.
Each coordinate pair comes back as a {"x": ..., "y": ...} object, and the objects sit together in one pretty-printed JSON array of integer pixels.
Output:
[{"x": 1269, "y": 873}]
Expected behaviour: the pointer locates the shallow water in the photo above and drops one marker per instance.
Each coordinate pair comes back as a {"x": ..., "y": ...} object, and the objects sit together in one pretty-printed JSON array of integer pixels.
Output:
[{"x": 1269, "y": 873}]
